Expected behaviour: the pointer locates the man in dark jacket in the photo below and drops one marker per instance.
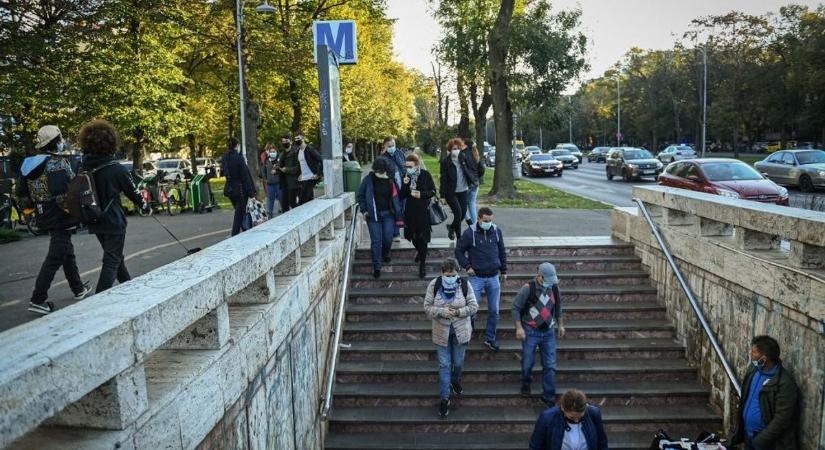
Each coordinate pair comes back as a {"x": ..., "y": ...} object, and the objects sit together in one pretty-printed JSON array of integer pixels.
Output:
[
  {"x": 291, "y": 171},
  {"x": 44, "y": 184},
  {"x": 239, "y": 184},
  {"x": 481, "y": 252},
  {"x": 572, "y": 424},
  {"x": 397, "y": 160},
  {"x": 768, "y": 415},
  {"x": 99, "y": 141},
  {"x": 311, "y": 167}
]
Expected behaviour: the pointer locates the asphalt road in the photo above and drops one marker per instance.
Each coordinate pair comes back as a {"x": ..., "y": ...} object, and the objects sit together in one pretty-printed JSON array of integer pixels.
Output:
[{"x": 148, "y": 246}]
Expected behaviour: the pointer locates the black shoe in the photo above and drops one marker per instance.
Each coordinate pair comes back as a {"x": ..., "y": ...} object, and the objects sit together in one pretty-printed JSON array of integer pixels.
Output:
[
  {"x": 491, "y": 345},
  {"x": 386, "y": 259},
  {"x": 444, "y": 409},
  {"x": 456, "y": 388},
  {"x": 548, "y": 403},
  {"x": 376, "y": 274},
  {"x": 80, "y": 295},
  {"x": 417, "y": 257},
  {"x": 525, "y": 390},
  {"x": 451, "y": 234},
  {"x": 422, "y": 270},
  {"x": 42, "y": 308}
]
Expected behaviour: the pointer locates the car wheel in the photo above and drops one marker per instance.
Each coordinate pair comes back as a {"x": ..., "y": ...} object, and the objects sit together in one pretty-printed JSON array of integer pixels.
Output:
[
  {"x": 626, "y": 176},
  {"x": 609, "y": 175},
  {"x": 560, "y": 173},
  {"x": 576, "y": 166},
  {"x": 805, "y": 184}
]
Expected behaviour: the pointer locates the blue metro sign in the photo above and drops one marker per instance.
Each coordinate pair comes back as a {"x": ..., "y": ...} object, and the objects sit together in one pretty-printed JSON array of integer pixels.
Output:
[{"x": 340, "y": 36}]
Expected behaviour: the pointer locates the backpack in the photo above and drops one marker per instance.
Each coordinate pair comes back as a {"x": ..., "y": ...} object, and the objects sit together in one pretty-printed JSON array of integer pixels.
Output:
[
  {"x": 82, "y": 197},
  {"x": 48, "y": 190},
  {"x": 461, "y": 280}
]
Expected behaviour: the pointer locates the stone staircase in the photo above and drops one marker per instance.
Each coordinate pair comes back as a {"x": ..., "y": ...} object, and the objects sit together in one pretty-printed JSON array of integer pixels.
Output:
[{"x": 619, "y": 349}]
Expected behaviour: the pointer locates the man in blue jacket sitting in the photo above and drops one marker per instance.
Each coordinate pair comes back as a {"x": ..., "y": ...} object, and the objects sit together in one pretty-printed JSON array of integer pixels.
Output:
[{"x": 572, "y": 425}]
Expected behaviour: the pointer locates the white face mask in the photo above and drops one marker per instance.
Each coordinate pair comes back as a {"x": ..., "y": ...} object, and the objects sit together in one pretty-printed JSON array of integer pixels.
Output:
[
  {"x": 382, "y": 175},
  {"x": 454, "y": 153},
  {"x": 349, "y": 149}
]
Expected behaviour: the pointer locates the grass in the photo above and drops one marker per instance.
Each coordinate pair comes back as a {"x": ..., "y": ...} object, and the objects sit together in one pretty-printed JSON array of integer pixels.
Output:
[
  {"x": 530, "y": 194},
  {"x": 7, "y": 235}
]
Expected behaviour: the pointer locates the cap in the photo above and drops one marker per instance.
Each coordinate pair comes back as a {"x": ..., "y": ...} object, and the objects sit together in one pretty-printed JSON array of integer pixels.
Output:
[
  {"x": 46, "y": 134},
  {"x": 548, "y": 271}
]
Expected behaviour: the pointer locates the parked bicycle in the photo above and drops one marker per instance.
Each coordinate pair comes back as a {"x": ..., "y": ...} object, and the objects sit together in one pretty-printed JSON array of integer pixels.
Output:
[{"x": 11, "y": 214}]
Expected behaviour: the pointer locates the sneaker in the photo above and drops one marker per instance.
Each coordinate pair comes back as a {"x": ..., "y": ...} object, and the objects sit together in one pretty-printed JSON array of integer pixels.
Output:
[
  {"x": 376, "y": 274},
  {"x": 83, "y": 292},
  {"x": 396, "y": 239},
  {"x": 456, "y": 388},
  {"x": 491, "y": 345},
  {"x": 386, "y": 259},
  {"x": 41, "y": 308},
  {"x": 444, "y": 409},
  {"x": 451, "y": 234},
  {"x": 525, "y": 390},
  {"x": 548, "y": 403}
]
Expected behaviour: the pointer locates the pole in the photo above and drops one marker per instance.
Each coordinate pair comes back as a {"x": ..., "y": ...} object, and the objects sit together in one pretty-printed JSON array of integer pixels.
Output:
[
  {"x": 704, "y": 99},
  {"x": 618, "y": 114},
  {"x": 570, "y": 120},
  {"x": 541, "y": 139},
  {"x": 241, "y": 80}
]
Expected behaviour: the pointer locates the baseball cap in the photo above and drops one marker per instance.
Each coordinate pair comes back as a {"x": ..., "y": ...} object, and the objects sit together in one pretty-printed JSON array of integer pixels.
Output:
[
  {"x": 548, "y": 271},
  {"x": 46, "y": 134}
]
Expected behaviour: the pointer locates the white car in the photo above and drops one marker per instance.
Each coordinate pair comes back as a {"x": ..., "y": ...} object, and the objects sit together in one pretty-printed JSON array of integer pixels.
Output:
[
  {"x": 676, "y": 153},
  {"x": 204, "y": 164},
  {"x": 149, "y": 167},
  {"x": 175, "y": 169}
]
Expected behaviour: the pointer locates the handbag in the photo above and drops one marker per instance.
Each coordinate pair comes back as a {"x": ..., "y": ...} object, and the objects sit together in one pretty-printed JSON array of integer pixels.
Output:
[
  {"x": 256, "y": 212},
  {"x": 437, "y": 214}
]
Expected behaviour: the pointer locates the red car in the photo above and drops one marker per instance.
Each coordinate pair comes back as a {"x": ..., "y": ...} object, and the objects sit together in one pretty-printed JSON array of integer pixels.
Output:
[{"x": 725, "y": 177}]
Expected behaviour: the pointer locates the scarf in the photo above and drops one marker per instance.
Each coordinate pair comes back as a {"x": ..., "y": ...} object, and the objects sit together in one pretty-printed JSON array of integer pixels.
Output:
[
  {"x": 448, "y": 294},
  {"x": 414, "y": 179}
]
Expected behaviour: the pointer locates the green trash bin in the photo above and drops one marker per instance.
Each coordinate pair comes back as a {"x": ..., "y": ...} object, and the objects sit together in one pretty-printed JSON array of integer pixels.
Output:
[
  {"x": 201, "y": 198},
  {"x": 352, "y": 176}
]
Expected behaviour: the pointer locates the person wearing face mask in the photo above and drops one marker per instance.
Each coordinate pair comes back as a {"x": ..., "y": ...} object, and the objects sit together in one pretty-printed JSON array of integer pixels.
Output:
[
  {"x": 348, "y": 154},
  {"x": 44, "y": 184},
  {"x": 310, "y": 164},
  {"x": 481, "y": 252},
  {"x": 449, "y": 303},
  {"x": 475, "y": 170},
  {"x": 768, "y": 415},
  {"x": 573, "y": 425},
  {"x": 455, "y": 184},
  {"x": 288, "y": 169},
  {"x": 379, "y": 200},
  {"x": 395, "y": 159},
  {"x": 272, "y": 178},
  {"x": 417, "y": 191},
  {"x": 537, "y": 313}
]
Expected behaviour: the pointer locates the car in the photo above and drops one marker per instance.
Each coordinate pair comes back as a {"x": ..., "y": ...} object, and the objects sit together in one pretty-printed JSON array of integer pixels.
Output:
[
  {"x": 541, "y": 164},
  {"x": 149, "y": 167},
  {"x": 573, "y": 149},
  {"x": 490, "y": 159},
  {"x": 203, "y": 165},
  {"x": 803, "y": 168},
  {"x": 529, "y": 150},
  {"x": 566, "y": 158},
  {"x": 632, "y": 163},
  {"x": 598, "y": 154},
  {"x": 676, "y": 153},
  {"x": 175, "y": 169},
  {"x": 723, "y": 176}
]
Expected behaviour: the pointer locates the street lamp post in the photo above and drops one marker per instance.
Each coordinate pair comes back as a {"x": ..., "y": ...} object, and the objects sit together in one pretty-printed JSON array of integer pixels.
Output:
[
  {"x": 570, "y": 119},
  {"x": 704, "y": 98},
  {"x": 618, "y": 113}
]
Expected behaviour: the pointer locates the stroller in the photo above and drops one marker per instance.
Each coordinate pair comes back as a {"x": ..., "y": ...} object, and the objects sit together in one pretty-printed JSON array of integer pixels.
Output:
[{"x": 705, "y": 441}]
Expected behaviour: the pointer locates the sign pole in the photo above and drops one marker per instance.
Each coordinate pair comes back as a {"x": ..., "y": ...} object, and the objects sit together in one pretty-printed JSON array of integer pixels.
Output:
[{"x": 329, "y": 93}]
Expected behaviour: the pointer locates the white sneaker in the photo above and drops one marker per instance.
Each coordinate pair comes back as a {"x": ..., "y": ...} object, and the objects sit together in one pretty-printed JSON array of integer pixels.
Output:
[
  {"x": 83, "y": 293},
  {"x": 41, "y": 308},
  {"x": 396, "y": 239}
]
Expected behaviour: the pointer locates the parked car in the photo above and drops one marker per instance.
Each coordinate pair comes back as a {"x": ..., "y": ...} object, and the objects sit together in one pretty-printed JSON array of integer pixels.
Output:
[
  {"x": 573, "y": 149},
  {"x": 541, "y": 164},
  {"x": 490, "y": 159},
  {"x": 725, "y": 177},
  {"x": 598, "y": 154},
  {"x": 803, "y": 168},
  {"x": 567, "y": 158},
  {"x": 175, "y": 169},
  {"x": 632, "y": 163},
  {"x": 527, "y": 151},
  {"x": 205, "y": 164},
  {"x": 676, "y": 153},
  {"x": 149, "y": 167}
]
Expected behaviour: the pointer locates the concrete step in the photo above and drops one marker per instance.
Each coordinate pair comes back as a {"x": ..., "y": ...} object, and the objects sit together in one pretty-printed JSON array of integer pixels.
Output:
[
  {"x": 405, "y": 251},
  {"x": 508, "y": 394},
  {"x": 617, "y": 328},
  {"x": 462, "y": 441},
  {"x": 573, "y": 312},
  {"x": 581, "y": 294},
  {"x": 567, "y": 371},
  {"x": 516, "y": 263},
  {"x": 515, "y": 280},
  {"x": 567, "y": 349},
  {"x": 515, "y": 420}
]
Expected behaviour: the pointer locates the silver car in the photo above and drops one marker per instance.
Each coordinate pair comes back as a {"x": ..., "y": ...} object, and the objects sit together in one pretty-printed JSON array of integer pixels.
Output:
[
  {"x": 676, "y": 153},
  {"x": 573, "y": 149},
  {"x": 803, "y": 168}
]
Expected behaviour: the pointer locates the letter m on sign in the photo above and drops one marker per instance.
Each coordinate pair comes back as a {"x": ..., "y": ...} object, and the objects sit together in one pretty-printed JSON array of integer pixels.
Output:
[{"x": 340, "y": 36}]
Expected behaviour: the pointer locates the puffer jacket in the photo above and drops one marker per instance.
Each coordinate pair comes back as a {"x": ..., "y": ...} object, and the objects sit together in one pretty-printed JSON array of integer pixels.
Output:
[
  {"x": 436, "y": 309},
  {"x": 779, "y": 403}
]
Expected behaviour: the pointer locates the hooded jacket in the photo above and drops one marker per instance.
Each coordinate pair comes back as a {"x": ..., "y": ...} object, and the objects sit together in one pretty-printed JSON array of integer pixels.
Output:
[
  {"x": 110, "y": 181},
  {"x": 483, "y": 251},
  {"x": 45, "y": 181}
]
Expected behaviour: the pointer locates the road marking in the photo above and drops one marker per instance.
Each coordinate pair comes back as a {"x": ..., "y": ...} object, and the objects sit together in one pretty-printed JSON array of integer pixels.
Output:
[{"x": 127, "y": 258}]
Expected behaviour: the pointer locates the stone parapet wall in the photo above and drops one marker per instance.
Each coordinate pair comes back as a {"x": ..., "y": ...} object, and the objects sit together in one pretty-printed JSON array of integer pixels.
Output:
[
  {"x": 745, "y": 288},
  {"x": 224, "y": 349}
]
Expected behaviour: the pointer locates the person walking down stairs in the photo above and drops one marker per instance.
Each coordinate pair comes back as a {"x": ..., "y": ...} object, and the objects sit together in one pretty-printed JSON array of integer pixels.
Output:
[
  {"x": 417, "y": 190},
  {"x": 379, "y": 200},
  {"x": 450, "y": 302}
]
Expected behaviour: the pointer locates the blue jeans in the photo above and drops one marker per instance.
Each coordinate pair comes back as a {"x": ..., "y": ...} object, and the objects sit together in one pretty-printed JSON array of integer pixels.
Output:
[
  {"x": 472, "y": 205},
  {"x": 381, "y": 231},
  {"x": 546, "y": 341},
  {"x": 492, "y": 287},
  {"x": 450, "y": 360},
  {"x": 273, "y": 192}
]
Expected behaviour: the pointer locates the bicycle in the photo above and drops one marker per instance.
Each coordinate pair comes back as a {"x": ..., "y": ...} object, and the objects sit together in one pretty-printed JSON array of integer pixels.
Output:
[
  {"x": 11, "y": 215},
  {"x": 173, "y": 199}
]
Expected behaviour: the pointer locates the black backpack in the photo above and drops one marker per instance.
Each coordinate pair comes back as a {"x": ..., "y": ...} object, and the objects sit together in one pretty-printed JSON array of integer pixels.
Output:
[
  {"x": 461, "y": 280},
  {"x": 82, "y": 197}
]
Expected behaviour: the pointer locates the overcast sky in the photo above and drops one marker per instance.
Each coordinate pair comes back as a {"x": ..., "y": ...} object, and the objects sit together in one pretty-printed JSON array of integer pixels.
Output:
[{"x": 611, "y": 26}]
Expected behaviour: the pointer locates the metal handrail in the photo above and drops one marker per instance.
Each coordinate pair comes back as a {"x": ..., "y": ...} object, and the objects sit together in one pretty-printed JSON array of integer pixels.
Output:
[
  {"x": 326, "y": 404},
  {"x": 693, "y": 303}
]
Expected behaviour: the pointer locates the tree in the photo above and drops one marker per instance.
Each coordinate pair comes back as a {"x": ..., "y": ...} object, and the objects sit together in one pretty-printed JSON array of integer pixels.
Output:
[{"x": 499, "y": 46}]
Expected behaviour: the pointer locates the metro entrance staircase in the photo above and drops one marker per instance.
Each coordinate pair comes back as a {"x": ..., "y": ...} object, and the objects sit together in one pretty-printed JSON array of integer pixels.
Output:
[{"x": 619, "y": 349}]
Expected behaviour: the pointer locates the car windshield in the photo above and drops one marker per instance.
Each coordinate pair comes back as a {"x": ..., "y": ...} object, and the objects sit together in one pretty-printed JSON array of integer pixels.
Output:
[
  {"x": 814, "y": 157},
  {"x": 560, "y": 152},
  {"x": 541, "y": 158},
  {"x": 637, "y": 154},
  {"x": 168, "y": 164},
  {"x": 684, "y": 149},
  {"x": 735, "y": 171}
]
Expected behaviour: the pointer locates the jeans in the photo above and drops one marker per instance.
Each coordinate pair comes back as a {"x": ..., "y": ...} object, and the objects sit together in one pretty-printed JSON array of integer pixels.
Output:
[
  {"x": 458, "y": 205},
  {"x": 450, "y": 360},
  {"x": 61, "y": 254},
  {"x": 307, "y": 191},
  {"x": 546, "y": 342},
  {"x": 239, "y": 203},
  {"x": 472, "y": 205},
  {"x": 273, "y": 192},
  {"x": 113, "y": 262},
  {"x": 492, "y": 286},
  {"x": 381, "y": 231}
]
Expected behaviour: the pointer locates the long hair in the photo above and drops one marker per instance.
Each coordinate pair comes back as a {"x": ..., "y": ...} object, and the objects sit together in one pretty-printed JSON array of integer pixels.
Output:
[
  {"x": 470, "y": 144},
  {"x": 452, "y": 143}
]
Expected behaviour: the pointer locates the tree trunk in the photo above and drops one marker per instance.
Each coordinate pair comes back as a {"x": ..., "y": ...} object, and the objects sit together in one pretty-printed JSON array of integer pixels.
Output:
[
  {"x": 498, "y": 43},
  {"x": 463, "y": 108},
  {"x": 252, "y": 155},
  {"x": 439, "y": 93},
  {"x": 295, "y": 102},
  {"x": 480, "y": 113},
  {"x": 137, "y": 150},
  {"x": 193, "y": 152}
]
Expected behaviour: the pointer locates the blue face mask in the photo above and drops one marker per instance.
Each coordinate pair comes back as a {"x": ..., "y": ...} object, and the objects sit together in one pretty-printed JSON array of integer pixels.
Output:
[
  {"x": 486, "y": 225},
  {"x": 412, "y": 170},
  {"x": 391, "y": 150},
  {"x": 449, "y": 282}
]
